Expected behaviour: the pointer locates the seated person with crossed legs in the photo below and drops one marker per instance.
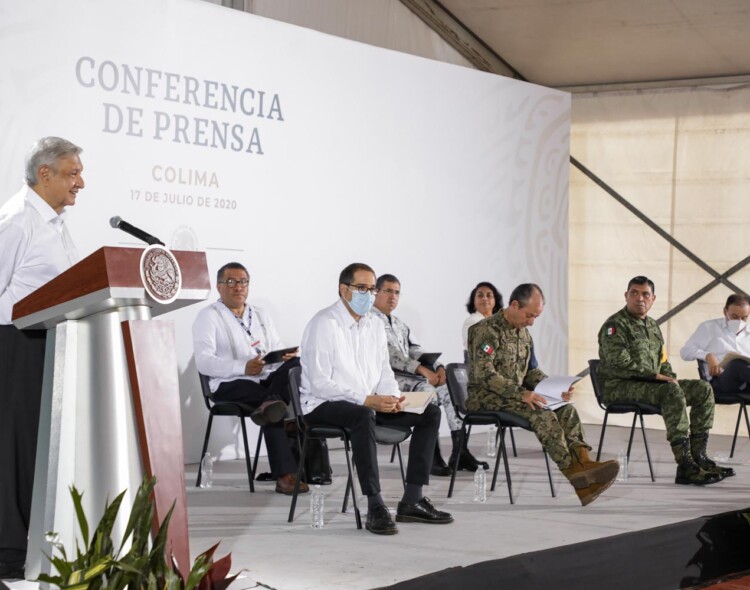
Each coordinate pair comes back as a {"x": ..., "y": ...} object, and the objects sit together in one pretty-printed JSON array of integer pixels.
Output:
[{"x": 230, "y": 337}]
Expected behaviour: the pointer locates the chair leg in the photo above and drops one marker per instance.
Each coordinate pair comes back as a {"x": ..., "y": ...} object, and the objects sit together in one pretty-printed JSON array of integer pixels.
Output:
[
  {"x": 296, "y": 483},
  {"x": 203, "y": 452},
  {"x": 632, "y": 431},
  {"x": 461, "y": 439},
  {"x": 512, "y": 440},
  {"x": 645, "y": 444},
  {"x": 393, "y": 453},
  {"x": 257, "y": 451},
  {"x": 401, "y": 465},
  {"x": 248, "y": 460},
  {"x": 504, "y": 451},
  {"x": 549, "y": 475},
  {"x": 601, "y": 436},
  {"x": 350, "y": 486}
]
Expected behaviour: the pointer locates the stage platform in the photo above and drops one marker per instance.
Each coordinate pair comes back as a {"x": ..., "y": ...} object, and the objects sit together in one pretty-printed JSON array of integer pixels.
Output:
[{"x": 283, "y": 556}]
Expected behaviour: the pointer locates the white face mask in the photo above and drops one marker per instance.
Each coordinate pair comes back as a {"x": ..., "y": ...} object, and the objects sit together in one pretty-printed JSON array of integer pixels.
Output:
[{"x": 736, "y": 326}]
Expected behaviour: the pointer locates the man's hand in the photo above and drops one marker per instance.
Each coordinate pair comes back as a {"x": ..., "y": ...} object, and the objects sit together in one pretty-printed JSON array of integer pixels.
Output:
[
  {"x": 534, "y": 400},
  {"x": 714, "y": 368},
  {"x": 254, "y": 366},
  {"x": 431, "y": 376},
  {"x": 388, "y": 404},
  {"x": 568, "y": 395},
  {"x": 290, "y": 355},
  {"x": 441, "y": 376},
  {"x": 660, "y": 377}
]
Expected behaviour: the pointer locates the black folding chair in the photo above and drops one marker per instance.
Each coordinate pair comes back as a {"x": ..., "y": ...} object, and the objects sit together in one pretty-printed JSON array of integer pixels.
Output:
[
  {"x": 639, "y": 410},
  {"x": 384, "y": 435},
  {"x": 725, "y": 399},
  {"x": 241, "y": 411},
  {"x": 457, "y": 378}
]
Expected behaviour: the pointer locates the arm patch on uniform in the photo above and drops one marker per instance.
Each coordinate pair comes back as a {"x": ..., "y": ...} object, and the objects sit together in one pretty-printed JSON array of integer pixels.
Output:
[
  {"x": 611, "y": 331},
  {"x": 486, "y": 348}
]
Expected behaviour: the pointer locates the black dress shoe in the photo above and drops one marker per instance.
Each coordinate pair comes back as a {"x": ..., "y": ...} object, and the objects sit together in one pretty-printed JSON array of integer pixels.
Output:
[
  {"x": 12, "y": 570},
  {"x": 422, "y": 511},
  {"x": 321, "y": 480},
  {"x": 379, "y": 521}
]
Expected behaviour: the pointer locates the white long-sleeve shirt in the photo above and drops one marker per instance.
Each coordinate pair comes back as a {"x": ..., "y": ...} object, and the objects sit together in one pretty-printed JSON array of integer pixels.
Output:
[
  {"x": 344, "y": 360},
  {"x": 714, "y": 336},
  {"x": 222, "y": 346},
  {"x": 35, "y": 247}
]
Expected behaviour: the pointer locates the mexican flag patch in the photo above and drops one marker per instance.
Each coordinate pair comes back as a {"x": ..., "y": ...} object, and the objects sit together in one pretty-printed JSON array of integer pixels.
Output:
[
  {"x": 487, "y": 349},
  {"x": 611, "y": 331}
]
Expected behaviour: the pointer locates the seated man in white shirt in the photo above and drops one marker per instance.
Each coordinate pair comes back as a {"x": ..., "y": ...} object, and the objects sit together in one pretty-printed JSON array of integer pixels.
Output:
[
  {"x": 347, "y": 381},
  {"x": 230, "y": 338},
  {"x": 714, "y": 339}
]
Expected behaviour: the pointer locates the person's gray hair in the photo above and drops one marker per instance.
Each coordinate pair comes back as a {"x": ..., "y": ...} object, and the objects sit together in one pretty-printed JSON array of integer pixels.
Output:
[{"x": 46, "y": 152}]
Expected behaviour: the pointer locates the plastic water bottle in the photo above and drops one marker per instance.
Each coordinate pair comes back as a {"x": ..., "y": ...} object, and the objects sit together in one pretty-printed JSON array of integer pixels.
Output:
[
  {"x": 491, "y": 441},
  {"x": 207, "y": 471},
  {"x": 480, "y": 485},
  {"x": 622, "y": 459},
  {"x": 317, "y": 508}
]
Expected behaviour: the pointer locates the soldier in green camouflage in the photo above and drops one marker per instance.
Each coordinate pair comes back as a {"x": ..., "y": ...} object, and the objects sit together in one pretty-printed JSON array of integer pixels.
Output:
[
  {"x": 500, "y": 379},
  {"x": 634, "y": 367}
]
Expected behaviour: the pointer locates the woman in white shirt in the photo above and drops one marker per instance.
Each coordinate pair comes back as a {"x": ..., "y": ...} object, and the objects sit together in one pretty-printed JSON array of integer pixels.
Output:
[{"x": 484, "y": 300}]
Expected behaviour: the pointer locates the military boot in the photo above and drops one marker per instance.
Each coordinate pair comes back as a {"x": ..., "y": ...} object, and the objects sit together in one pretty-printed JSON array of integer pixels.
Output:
[
  {"x": 590, "y": 493},
  {"x": 698, "y": 444},
  {"x": 584, "y": 472},
  {"x": 688, "y": 471},
  {"x": 466, "y": 461},
  {"x": 439, "y": 467}
]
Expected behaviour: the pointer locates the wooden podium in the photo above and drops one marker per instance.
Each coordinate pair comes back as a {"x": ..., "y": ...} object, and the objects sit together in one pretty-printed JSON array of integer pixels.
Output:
[{"x": 110, "y": 411}]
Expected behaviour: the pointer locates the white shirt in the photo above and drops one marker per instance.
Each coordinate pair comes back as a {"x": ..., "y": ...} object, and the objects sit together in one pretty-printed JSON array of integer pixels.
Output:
[
  {"x": 714, "y": 336},
  {"x": 35, "y": 247},
  {"x": 344, "y": 360},
  {"x": 222, "y": 346},
  {"x": 474, "y": 318}
]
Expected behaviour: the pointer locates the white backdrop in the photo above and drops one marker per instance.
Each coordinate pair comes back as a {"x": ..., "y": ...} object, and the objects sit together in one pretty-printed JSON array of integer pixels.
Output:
[{"x": 340, "y": 152}]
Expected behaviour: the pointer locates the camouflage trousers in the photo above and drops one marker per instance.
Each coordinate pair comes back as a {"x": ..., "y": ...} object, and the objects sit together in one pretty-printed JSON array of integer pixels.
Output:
[
  {"x": 443, "y": 398},
  {"x": 673, "y": 400},
  {"x": 558, "y": 430}
]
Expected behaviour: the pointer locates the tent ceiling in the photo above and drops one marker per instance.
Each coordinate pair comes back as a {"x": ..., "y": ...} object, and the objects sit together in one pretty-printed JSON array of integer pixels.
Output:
[{"x": 564, "y": 43}]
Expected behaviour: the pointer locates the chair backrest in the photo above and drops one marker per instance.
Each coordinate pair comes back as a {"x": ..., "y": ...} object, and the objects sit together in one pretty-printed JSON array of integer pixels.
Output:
[
  {"x": 593, "y": 373},
  {"x": 457, "y": 379},
  {"x": 703, "y": 371},
  {"x": 295, "y": 378},
  {"x": 205, "y": 389}
]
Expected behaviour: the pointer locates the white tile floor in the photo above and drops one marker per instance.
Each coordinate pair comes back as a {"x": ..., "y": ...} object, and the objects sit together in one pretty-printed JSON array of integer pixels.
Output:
[{"x": 283, "y": 556}]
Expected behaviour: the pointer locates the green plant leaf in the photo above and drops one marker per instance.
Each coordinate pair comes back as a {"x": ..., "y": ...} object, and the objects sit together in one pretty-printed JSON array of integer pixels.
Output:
[{"x": 83, "y": 524}]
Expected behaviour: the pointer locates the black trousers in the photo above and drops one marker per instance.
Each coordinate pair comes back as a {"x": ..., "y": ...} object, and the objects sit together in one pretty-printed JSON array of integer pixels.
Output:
[
  {"x": 21, "y": 374},
  {"x": 732, "y": 379},
  {"x": 360, "y": 422},
  {"x": 276, "y": 386}
]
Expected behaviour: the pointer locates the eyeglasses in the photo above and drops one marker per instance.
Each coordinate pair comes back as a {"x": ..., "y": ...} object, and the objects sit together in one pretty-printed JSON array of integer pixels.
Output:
[
  {"x": 395, "y": 292},
  {"x": 363, "y": 289},
  {"x": 231, "y": 283}
]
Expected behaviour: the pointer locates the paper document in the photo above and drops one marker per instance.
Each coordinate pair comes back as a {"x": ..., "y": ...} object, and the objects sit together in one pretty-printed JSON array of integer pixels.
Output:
[
  {"x": 553, "y": 387},
  {"x": 416, "y": 401},
  {"x": 733, "y": 356}
]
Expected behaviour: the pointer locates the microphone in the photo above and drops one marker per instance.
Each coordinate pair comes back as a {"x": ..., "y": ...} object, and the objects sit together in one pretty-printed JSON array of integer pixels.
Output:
[{"x": 118, "y": 223}]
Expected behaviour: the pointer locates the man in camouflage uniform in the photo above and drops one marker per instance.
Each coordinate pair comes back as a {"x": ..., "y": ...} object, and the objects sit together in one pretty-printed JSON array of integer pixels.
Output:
[
  {"x": 500, "y": 379},
  {"x": 412, "y": 375},
  {"x": 634, "y": 367}
]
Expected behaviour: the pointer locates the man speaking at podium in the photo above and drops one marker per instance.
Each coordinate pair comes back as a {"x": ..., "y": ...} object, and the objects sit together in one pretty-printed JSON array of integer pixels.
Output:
[{"x": 36, "y": 247}]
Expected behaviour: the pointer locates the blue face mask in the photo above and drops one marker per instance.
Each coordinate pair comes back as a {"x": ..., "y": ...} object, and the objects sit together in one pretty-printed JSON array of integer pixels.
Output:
[{"x": 361, "y": 303}]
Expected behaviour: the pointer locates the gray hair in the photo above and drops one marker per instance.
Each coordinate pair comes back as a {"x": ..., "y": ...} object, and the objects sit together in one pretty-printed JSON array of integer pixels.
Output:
[{"x": 46, "y": 152}]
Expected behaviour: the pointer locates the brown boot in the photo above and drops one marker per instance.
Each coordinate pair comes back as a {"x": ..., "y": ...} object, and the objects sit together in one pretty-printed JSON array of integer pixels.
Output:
[
  {"x": 584, "y": 472},
  {"x": 589, "y": 494}
]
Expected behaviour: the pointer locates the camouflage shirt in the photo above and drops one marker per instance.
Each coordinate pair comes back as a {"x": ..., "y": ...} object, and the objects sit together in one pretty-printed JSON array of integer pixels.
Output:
[
  {"x": 403, "y": 352},
  {"x": 499, "y": 357},
  {"x": 631, "y": 348}
]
